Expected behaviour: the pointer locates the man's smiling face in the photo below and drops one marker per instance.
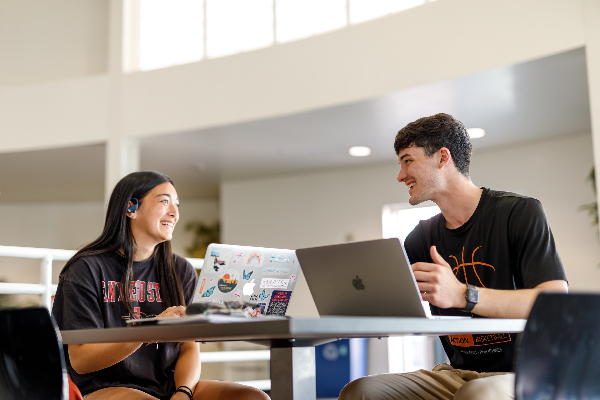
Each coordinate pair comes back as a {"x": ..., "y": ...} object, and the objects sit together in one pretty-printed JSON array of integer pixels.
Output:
[{"x": 419, "y": 173}]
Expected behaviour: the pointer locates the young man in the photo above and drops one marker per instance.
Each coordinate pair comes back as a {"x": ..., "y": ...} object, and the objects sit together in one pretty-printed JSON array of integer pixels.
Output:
[{"x": 488, "y": 254}]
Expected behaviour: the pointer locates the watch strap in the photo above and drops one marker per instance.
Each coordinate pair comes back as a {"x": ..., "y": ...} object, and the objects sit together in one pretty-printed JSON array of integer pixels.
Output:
[{"x": 472, "y": 297}]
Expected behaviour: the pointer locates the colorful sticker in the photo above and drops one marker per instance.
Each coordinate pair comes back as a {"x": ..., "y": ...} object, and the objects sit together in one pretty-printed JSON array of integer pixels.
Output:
[
  {"x": 218, "y": 259},
  {"x": 238, "y": 293},
  {"x": 262, "y": 307},
  {"x": 202, "y": 286},
  {"x": 248, "y": 288},
  {"x": 263, "y": 296},
  {"x": 254, "y": 259},
  {"x": 275, "y": 271},
  {"x": 237, "y": 257},
  {"x": 228, "y": 281},
  {"x": 279, "y": 302},
  {"x": 247, "y": 276},
  {"x": 292, "y": 278},
  {"x": 271, "y": 283},
  {"x": 208, "y": 292},
  {"x": 280, "y": 258}
]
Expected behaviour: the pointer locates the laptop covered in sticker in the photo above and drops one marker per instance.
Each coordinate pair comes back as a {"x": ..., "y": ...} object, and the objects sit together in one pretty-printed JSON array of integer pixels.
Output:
[{"x": 265, "y": 276}]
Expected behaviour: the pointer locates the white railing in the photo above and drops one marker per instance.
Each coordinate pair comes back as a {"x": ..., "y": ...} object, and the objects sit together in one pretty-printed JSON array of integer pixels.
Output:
[{"x": 45, "y": 289}]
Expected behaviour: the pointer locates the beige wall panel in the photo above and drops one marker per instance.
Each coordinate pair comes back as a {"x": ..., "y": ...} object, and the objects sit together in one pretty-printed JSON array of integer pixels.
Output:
[
  {"x": 44, "y": 40},
  {"x": 326, "y": 207}
]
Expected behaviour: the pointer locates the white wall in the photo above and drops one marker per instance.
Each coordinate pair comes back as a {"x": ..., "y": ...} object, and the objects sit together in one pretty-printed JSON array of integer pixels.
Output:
[
  {"x": 44, "y": 40},
  {"x": 437, "y": 41},
  {"x": 554, "y": 172},
  {"x": 71, "y": 226},
  {"x": 324, "y": 207}
]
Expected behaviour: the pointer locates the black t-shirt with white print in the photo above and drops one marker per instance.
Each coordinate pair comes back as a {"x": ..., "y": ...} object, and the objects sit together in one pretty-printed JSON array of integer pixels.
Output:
[
  {"x": 506, "y": 244},
  {"x": 88, "y": 297}
]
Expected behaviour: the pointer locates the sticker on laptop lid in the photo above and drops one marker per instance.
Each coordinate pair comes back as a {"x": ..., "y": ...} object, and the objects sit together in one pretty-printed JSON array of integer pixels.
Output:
[
  {"x": 280, "y": 299},
  {"x": 237, "y": 258},
  {"x": 228, "y": 281},
  {"x": 218, "y": 259},
  {"x": 208, "y": 292},
  {"x": 263, "y": 296},
  {"x": 272, "y": 283},
  {"x": 280, "y": 258},
  {"x": 275, "y": 271},
  {"x": 254, "y": 259},
  {"x": 202, "y": 286}
]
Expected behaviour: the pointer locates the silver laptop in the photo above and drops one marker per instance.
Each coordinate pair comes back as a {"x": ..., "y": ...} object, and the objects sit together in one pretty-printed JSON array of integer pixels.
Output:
[
  {"x": 260, "y": 275},
  {"x": 371, "y": 278}
]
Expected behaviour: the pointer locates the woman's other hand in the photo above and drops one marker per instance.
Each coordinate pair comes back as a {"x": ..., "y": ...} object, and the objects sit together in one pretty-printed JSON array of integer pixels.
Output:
[{"x": 175, "y": 311}]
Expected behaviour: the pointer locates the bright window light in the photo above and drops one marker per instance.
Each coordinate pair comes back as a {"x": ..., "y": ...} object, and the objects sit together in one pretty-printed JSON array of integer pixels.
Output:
[
  {"x": 359, "y": 151},
  {"x": 476, "y": 133},
  {"x": 165, "y": 33},
  {"x": 398, "y": 220},
  {"x": 408, "y": 353},
  {"x": 363, "y": 10},
  {"x": 171, "y": 33},
  {"x": 235, "y": 26},
  {"x": 297, "y": 19}
]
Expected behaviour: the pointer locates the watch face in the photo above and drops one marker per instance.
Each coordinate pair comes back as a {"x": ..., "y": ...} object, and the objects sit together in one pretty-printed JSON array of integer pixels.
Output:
[{"x": 472, "y": 295}]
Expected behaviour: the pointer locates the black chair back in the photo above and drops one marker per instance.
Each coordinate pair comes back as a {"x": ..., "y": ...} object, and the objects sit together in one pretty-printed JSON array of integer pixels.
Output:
[
  {"x": 559, "y": 351},
  {"x": 32, "y": 363}
]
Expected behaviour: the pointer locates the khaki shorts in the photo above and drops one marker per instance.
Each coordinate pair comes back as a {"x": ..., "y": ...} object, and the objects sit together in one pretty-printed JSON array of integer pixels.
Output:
[{"x": 441, "y": 383}]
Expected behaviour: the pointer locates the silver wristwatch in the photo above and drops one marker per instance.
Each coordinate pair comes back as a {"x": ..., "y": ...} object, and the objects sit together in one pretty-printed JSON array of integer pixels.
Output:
[{"x": 472, "y": 298}]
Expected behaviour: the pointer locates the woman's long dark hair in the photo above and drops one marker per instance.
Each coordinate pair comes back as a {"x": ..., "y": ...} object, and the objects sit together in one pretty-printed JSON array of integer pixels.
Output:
[{"x": 117, "y": 237}]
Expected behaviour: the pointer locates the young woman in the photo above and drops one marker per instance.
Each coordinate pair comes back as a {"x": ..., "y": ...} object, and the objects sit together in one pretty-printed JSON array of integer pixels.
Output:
[{"x": 130, "y": 272}]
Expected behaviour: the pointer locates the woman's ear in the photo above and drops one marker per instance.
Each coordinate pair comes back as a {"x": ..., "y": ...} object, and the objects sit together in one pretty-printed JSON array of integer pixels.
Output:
[{"x": 132, "y": 207}]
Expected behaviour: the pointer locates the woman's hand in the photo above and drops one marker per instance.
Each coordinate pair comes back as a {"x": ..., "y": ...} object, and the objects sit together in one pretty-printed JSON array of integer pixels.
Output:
[{"x": 175, "y": 311}]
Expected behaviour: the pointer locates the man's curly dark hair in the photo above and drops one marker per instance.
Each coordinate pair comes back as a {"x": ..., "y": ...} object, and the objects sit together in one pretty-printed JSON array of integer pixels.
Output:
[{"x": 433, "y": 133}]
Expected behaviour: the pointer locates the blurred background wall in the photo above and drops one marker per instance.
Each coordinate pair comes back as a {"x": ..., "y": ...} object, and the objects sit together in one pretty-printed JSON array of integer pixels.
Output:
[
  {"x": 258, "y": 140},
  {"x": 251, "y": 108}
]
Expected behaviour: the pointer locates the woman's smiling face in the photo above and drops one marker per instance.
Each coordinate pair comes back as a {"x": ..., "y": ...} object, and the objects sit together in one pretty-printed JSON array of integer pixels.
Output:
[{"x": 153, "y": 222}]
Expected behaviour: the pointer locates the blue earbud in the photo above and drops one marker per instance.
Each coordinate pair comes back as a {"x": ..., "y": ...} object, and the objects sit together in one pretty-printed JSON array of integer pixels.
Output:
[{"x": 134, "y": 206}]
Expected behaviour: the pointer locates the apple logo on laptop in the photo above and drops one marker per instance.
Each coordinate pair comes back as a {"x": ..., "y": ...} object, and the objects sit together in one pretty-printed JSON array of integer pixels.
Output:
[
  {"x": 357, "y": 283},
  {"x": 249, "y": 288}
]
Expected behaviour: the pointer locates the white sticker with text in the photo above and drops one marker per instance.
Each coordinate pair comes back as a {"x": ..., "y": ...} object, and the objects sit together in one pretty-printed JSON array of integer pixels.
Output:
[{"x": 270, "y": 283}]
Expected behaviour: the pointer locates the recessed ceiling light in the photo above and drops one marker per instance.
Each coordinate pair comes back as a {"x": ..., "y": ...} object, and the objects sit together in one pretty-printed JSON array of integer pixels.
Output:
[
  {"x": 476, "y": 133},
  {"x": 359, "y": 151}
]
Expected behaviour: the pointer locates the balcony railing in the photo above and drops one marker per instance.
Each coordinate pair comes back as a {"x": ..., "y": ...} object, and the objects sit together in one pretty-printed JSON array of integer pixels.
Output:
[{"x": 45, "y": 289}]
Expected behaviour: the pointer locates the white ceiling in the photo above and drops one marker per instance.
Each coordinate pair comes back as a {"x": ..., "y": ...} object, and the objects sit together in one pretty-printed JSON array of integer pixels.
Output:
[{"x": 530, "y": 101}]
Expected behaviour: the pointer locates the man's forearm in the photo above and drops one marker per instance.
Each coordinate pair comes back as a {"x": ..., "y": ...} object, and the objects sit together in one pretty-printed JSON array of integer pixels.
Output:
[{"x": 495, "y": 303}]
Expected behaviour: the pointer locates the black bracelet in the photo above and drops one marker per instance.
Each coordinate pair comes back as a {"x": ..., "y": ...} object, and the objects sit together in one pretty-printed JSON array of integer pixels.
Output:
[{"x": 186, "y": 390}]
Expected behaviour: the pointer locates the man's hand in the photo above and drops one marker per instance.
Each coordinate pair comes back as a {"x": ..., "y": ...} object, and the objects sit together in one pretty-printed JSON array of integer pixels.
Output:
[
  {"x": 437, "y": 283},
  {"x": 439, "y": 286}
]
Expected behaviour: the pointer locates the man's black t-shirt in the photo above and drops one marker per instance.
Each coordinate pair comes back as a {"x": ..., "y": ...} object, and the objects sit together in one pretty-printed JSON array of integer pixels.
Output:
[
  {"x": 88, "y": 297},
  {"x": 506, "y": 244}
]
